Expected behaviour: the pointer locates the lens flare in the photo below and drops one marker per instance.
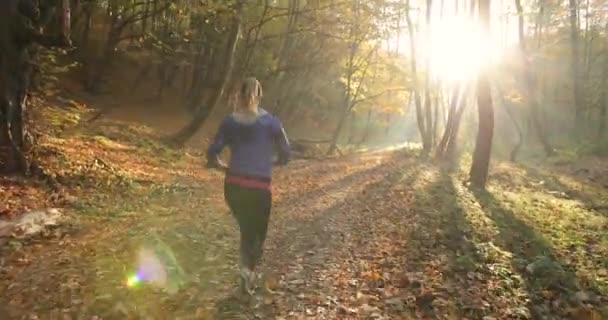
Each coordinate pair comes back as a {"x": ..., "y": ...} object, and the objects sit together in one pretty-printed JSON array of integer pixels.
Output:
[
  {"x": 133, "y": 281},
  {"x": 156, "y": 266}
]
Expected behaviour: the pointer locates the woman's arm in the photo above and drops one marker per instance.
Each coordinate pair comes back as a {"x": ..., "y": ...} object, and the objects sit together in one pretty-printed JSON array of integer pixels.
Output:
[
  {"x": 282, "y": 142},
  {"x": 219, "y": 142}
]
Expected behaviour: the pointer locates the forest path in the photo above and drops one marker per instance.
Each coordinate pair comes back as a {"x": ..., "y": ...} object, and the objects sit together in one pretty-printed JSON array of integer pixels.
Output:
[
  {"x": 375, "y": 235},
  {"x": 83, "y": 271}
]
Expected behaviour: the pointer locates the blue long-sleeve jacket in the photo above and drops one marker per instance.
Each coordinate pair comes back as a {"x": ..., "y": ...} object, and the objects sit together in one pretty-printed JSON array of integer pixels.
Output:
[{"x": 252, "y": 138}]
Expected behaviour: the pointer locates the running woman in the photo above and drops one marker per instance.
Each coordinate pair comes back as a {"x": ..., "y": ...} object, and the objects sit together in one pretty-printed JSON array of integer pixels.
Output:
[{"x": 252, "y": 135}]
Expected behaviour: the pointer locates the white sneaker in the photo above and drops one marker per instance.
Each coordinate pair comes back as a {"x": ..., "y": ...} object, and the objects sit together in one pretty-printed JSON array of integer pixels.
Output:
[{"x": 248, "y": 278}]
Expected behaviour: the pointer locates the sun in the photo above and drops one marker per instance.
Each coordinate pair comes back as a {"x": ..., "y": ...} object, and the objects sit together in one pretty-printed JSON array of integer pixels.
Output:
[{"x": 458, "y": 49}]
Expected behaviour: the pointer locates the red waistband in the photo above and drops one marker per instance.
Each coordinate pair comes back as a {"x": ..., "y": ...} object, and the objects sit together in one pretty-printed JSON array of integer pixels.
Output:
[{"x": 248, "y": 182}]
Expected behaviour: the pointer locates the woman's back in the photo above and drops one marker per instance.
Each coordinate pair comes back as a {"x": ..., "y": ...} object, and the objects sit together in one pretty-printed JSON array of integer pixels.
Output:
[
  {"x": 251, "y": 134},
  {"x": 251, "y": 138}
]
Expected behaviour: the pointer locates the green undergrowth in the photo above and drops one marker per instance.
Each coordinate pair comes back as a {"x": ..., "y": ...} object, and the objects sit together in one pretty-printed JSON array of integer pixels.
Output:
[{"x": 536, "y": 238}]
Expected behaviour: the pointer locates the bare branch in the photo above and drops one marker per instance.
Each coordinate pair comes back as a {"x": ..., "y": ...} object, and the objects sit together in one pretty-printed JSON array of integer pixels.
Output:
[{"x": 284, "y": 14}]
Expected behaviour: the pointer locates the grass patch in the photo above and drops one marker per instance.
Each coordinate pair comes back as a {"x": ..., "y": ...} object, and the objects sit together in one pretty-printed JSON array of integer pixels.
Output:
[{"x": 530, "y": 245}]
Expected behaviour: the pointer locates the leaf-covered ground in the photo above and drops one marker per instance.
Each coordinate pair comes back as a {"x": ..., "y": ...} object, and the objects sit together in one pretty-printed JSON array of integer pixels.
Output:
[{"x": 379, "y": 235}]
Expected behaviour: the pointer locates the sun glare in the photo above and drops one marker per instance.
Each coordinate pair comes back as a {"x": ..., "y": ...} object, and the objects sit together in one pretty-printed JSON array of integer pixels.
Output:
[{"x": 459, "y": 49}]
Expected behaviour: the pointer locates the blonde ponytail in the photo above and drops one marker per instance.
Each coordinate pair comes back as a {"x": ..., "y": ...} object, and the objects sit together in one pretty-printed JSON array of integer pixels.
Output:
[{"x": 250, "y": 95}]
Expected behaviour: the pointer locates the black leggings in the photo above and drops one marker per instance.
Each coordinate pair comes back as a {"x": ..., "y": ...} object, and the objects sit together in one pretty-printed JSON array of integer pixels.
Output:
[{"x": 251, "y": 208}]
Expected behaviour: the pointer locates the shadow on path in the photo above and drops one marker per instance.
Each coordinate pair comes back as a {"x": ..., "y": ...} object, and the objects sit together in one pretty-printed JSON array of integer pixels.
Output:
[
  {"x": 306, "y": 230},
  {"x": 440, "y": 255}
]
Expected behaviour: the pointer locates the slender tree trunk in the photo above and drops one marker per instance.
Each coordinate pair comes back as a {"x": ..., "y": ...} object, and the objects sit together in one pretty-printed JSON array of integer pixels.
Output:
[
  {"x": 416, "y": 88},
  {"x": 15, "y": 72},
  {"x": 348, "y": 105},
  {"x": 336, "y": 135},
  {"x": 575, "y": 68},
  {"x": 603, "y": 107},
  {"x": 285, "y": 49},
  {"x": 483, "y": 146},
  {"x": 88, "y": 21},
  {"x": 368, "y": 126},
  {"x": 587, "y": 63},
  {"x": 154, "y": 17},
  {"x": 427, "y": 141},
  {"x": 350, "y": 99},
  {"x": 531, "y": 87},
  {"x": 144, "y": 22},
  {"x": 604, "y": 95},
  {"x": 435, "y": 121},
  {"x": 187, "y": 132},
  {"x": 352, "y": 131},
  {"x": 258, "y": 30},
  {"x": 200, "y": 72},
  {"x": 76, "y": 13},
  {"x": 518, "y": 128},
  {"x": 441, "y": 146},
  {"x": 450, "y": 153},
  {"x": 65, "y": 19},
  {"x": 448, "y": 140},
  {"x": 447, "y": 146},
  {"x": 101, "y": 65}
]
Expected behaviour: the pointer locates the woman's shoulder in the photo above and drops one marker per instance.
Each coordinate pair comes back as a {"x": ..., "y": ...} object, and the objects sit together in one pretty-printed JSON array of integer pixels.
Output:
[
  {"x": 262, "y": 117},
  {"x": 267, "y": 115}
]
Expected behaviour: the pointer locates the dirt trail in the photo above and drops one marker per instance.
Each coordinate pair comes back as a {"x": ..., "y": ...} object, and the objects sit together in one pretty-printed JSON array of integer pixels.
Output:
[
  {"x": 376, "y": 235},
  {"x": 83, "y": 273}
]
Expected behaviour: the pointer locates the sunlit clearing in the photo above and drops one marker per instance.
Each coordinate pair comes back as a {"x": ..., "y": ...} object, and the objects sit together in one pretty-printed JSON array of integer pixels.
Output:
[{"x": 459, "y": 49}]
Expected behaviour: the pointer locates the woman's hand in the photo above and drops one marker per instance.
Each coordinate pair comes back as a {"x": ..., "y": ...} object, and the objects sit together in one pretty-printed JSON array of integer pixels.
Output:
[{"x": 217, "y": 164}]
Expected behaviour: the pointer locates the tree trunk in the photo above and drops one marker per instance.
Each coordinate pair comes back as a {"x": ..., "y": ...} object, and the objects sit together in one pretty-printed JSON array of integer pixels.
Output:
[
  {"x": 333, "y": 146},
  {"x": 285, "y": 49},
  {"x": 531, "y": 87},
  {"x": 603, "y": 96},
  {"x": 483, "y": 146},
  {"x": 587, "y": 51},
  {"x": 352, "y": 131},
  {"x": 447, "y": 146},
  {"x": 351, "y": 95},
  {"x": 440, "y": 150},
  {"x": 154, "y": 17},
  {"x": 200, "y": 70},
  {"x": 435, "y": 121},
  {"x": 368, "y": 125},
  {"x": 416, "y": 89},
  {"x": 88, "y": 21},
  {"x": 520, "y": 133},
  {"x": 76, "y": 13},
  {"x": 187, "y": 132},
  {"x": 65, "y": 19},
  {"x": 450, "y": 152},
  {"x": 427, "y": 141},
  {"x": 603, "y": 107},
  {"x": 101, "y": 65},
  {"x": 250, "y": 50},
  {"x": 575, "y": 68},
  {"x": 441, "y": 146},
  {"x": 19, "y": 30},
  {"x": 144, "y": 22}
]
